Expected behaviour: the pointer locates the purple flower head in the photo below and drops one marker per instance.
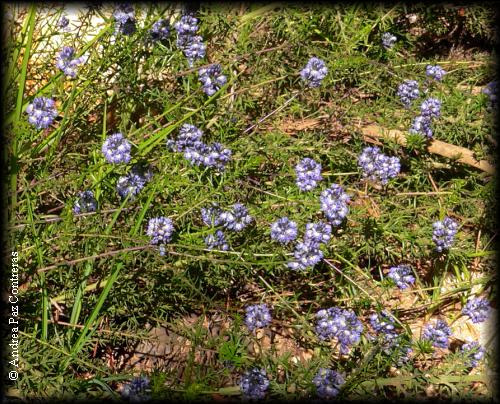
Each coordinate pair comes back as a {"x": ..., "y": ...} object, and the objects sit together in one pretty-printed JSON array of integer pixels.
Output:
[
  {"x": 211, "y": 79},
  {"x": 308, "y": 174},
  {"x": 328, "y": 322},
  {"x": 116, "y": 149},
  {"x": 187, "y": 25},
  {"x": 188, "y": 136},
  {"x": 478, "y": 309},
  {"x": 422, "y": 125},
  {"x": 41, "y": 112},
  {"x": 63, "y": 22},
  {"x": 132, "y": 183},
  {"x": 437, "y": 334},
  {"x": 402, "y": 276},
  {"x": 211, "y": 215},
  {"x": 85, "y": 203},
  {"x": 236, "y": 219},
  {"x": 124, "y": 15},
  {"x": 383, "y": 324},
  {"x": 67, "y": 62},
  {"x": 389, "y": 167},
  {"x": 473, "y": 353},
  {"x": 408, "y": 91},
  {"x": 137, "y": 389},
  {"x": 196, "y": 153},
  {"x": 317, "y": 233},
  {"x": 257, "y": 316},
  {"x": 444, "y": 233},
  {"x": 334, "y": 204},
  {"x": 341, "y": 324},
  {"x": 193, "y": 48},
  {"x": 216, "y": 155},
  {"x": 328, "y": 383},
  {"x": 388, "y": 40},
  {"x": 435, "y": 72},
  {"x": 491, "y": 90},
  {"x": 217, "y": 241},
  {"x": 377, "y": 166},
  {"x": 160, "y": 230},
  {"x": 162, "y": 250},
  {"x": 350, "y": 330},
  {"x": 160, "y": 31},
  {"x": 306, "y": 255},
  {"x": 284, "y": 230},
  {"x": 254, "y": 384},
  {"x": 314, "y": 72},
  {"x": 431, "y": 108}
]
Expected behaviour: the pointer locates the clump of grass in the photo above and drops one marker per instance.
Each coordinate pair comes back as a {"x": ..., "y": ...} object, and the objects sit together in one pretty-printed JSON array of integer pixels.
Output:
[{"x": 229, "y": 122}]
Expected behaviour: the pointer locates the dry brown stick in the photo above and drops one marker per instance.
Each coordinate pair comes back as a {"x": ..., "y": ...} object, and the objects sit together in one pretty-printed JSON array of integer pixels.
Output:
[{"x": 460, "y": 154}]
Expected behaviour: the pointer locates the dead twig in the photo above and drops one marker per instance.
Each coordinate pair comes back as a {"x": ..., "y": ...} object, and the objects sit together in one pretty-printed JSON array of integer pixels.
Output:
[{"x": 458, "y": 153}]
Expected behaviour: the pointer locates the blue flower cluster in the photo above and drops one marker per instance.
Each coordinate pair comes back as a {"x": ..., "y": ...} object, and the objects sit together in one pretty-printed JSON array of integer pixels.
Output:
[
  {"x": 430, "y": 108},
  {"x": 328, "y": 383},
  {"x": 197, "y": 152},
  {"x": 188, "y": 136},
  {"x": 132, "y": 183},
  {"x": 125, "y": 22},
  {"x": 160, "y": 229},
  {"x": 478, "y": 309},
  {"x": 308, "y": 174},
  {"x": 334, "y": 204},
  {"x": 67, "y": 62},
  {"x": 402, "y": 276},
  {"x": 422, "y": 125},
  {"x": 254, "y": 384},
  {"x": 257, "y": 316},
  {"x": 160, "y": 31},
  {"x": 473, "y": 353},
  {"x": 284, "y": 230},
  {"x": 63, "y": 22},
  {"x": 186, "y": 26},
  {"x": 213, "y": 155},
  {"x": 116, "y": 149},
  {"x": 217, "y": 241},
  {"x": 444, "y": 233},
  {"x": 341, "y": 324},
  {"x": 437, "y": 334},
  {"x": 408, "y": 91},
  {"x": 491, "y": 90},
  {"x": 314, "y": 72},
  {"x": 388, "y": 40},
  {"x": 192, "y": 45},
  {"x": 41, "y": 112},
  {"x": 317, "y": 233},
  {"x": 211, "y": 215},
  {"x": 383, "y": 324},
  {"x": 211, "y": 78},
  {"x": 85, "y": 203},
  {"x": 306, "y": 255},
  {"x": 237, "y": 218},
  {"x": 435, "y": 72},
  {"x": 376, "y": 166},
  {"x": 137, "y": 389}
]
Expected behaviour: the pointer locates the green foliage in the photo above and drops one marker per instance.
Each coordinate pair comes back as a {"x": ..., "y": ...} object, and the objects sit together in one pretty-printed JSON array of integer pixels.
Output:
[{"x": 91, "y": 284}]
